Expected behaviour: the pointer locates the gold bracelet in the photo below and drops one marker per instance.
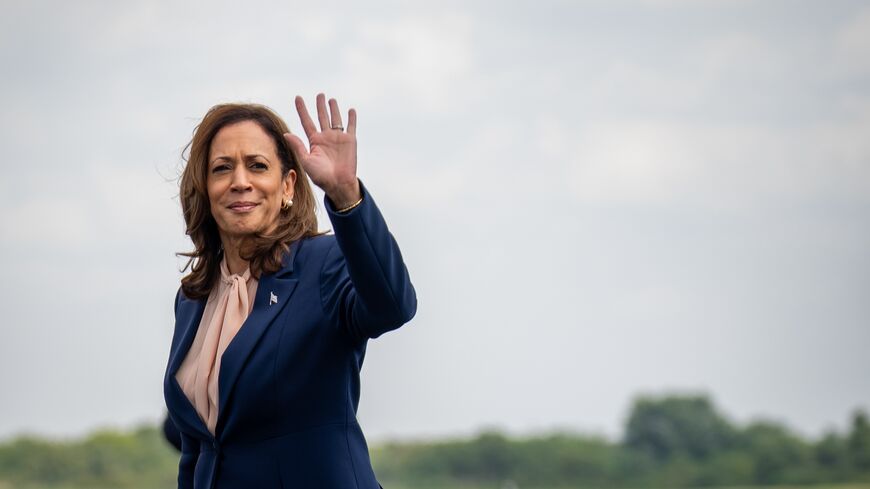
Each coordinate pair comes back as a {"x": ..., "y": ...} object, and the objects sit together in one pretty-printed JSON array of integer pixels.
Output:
[{"x": 350, "y": 207}]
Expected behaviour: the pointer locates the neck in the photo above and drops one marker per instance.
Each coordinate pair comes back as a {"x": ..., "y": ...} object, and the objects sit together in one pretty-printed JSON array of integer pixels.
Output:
[{"x": 235, "y": 263}]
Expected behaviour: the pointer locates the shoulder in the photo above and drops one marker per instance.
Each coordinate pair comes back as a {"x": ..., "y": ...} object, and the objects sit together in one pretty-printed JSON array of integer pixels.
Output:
[
  {"x": 183, "y": 303},
  {"x": 310, "y": 254},
  {"x": 314, "y": 247}
]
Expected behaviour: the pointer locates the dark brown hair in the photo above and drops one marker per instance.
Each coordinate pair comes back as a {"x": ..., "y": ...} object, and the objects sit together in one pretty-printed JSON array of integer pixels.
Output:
[{"x": 262, "y": 251}]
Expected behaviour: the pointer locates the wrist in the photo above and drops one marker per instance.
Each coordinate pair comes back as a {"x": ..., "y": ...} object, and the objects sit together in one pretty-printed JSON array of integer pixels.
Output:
[{"x": 345, "y": 196}]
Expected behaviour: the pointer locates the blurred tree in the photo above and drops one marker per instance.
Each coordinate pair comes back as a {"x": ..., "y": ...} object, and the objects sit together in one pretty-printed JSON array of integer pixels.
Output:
[
  {"x": 859, "y": 442},
  {"x": 675, "y": 442},
  {"x": 731, "y": 468},
  {"x": 779, "y": 456},
  {"x": 564, "y": 459},
  {"x": 489, "y": 457},
  {"x": 677, "y": 425},
  {"x": 106, "y": 459},
  {"x": 831, "y": 453}
]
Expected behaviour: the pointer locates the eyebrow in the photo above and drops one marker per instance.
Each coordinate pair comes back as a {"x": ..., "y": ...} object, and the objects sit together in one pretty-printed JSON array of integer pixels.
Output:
[{"x": 247, "y": 157}]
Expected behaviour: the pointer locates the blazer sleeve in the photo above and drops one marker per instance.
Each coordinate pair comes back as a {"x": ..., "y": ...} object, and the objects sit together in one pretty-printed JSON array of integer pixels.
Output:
[
  {"x": 365, "y": 286},
  {"x": 189, "y": 445},
  {"x": 187, "y": 462},
  {"x": 171, "y": 433}
]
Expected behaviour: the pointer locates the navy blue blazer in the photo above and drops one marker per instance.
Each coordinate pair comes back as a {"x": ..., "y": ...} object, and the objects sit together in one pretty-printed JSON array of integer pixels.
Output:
[{"x": 289, "y": 383}]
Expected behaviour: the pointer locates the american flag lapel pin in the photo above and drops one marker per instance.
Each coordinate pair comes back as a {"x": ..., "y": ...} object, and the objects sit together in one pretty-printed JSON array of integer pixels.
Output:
[{"x": 273, "y": 299}]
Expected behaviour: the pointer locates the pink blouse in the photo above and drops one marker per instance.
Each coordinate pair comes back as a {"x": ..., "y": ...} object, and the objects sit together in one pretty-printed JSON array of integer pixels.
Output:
[{"x": 228, "y": 305}]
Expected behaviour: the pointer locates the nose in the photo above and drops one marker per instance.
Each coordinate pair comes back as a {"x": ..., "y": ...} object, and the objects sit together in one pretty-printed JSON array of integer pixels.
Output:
[{"x": 240, "y": 180}]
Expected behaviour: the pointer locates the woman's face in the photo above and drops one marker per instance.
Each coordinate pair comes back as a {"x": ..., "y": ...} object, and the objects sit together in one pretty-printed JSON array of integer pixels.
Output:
[{"x": 245, "y": 186}]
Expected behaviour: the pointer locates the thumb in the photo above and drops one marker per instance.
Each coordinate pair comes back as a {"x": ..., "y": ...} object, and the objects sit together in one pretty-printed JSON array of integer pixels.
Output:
[{"x": 297, "y": 146}]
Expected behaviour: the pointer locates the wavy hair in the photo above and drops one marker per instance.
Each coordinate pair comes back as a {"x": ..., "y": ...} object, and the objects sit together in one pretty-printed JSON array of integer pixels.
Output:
[{"x": 263, "y": 251}]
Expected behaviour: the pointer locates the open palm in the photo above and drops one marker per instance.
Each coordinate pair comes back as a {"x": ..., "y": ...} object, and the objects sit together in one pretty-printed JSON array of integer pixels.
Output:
[{"x": 330, "y": 158}]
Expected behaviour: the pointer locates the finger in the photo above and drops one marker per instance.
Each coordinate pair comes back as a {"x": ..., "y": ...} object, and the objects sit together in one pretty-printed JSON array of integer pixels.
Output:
[
  {"x": 304, "y": 118},
  {"x": 351, "y": 121},
  {"x": 297, "y": 146},
  {"x": 335, "y": 114},
  {"x": 322, "y": 116}
]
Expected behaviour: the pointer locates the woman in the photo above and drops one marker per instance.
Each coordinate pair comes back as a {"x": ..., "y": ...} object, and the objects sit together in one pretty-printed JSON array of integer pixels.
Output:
[{"x": 273, "y": 318}]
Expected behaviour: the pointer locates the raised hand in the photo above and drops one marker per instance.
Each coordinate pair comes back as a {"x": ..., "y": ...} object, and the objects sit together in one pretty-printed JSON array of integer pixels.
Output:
[{"x": 331, "y": 159}]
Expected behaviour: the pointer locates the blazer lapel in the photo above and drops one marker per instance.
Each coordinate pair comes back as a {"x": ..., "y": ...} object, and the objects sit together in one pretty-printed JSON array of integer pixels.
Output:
[
  {"x": 273, "y": 293},
  {"x": 188, "y": 318}
]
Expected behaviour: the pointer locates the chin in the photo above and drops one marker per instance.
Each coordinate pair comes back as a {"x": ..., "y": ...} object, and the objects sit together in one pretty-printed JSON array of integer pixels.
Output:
[
  {"x": 245, "y": 230},
  {"x": 243, "y": 227},
  {"x": 238, "y": 229}
]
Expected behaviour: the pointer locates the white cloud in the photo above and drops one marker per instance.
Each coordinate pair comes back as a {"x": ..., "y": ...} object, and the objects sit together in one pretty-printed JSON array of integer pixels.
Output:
[
  {"x": 852, "y": 45},
  {"x": 416, "y": 61},
  {"x": 136, "y": 203},
  {"x": 483, "y": 120},
  {"x": 317, "y": 29},
  {"x": 740, "y": 54},
  {"x": 634, "y": 163},
  {"x": 696, "y": 3},
  {"x": 46, "y": 221},
  {"x": 718, "y": 166},
  {"x": 98, "y": 203}
]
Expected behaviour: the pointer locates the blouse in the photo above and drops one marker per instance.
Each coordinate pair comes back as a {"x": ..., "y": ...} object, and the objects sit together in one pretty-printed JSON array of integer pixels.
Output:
[{"x": 228, "y": 305}]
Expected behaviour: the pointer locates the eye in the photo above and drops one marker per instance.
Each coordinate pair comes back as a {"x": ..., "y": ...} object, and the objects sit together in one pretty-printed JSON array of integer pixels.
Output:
[
  {"x": 220, "y": 168},
  {"x": 259, "y": 165}
]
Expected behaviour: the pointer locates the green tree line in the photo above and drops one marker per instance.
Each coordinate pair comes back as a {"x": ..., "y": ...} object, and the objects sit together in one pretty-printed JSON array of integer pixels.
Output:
[
  {"x": 105, "y": 459},
  {"x": 669, "y": 441}
]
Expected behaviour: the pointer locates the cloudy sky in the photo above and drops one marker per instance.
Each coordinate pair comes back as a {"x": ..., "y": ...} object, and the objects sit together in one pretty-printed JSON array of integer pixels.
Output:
[{"x": 595, "y": 199}]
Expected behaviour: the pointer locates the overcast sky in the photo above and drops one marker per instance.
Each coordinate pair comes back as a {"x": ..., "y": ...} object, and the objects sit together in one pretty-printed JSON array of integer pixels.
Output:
[{"x": 595, "y": 199}]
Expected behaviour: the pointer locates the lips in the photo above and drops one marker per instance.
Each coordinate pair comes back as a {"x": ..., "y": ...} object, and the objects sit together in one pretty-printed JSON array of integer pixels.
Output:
[{"x": 242, "y": 206}]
